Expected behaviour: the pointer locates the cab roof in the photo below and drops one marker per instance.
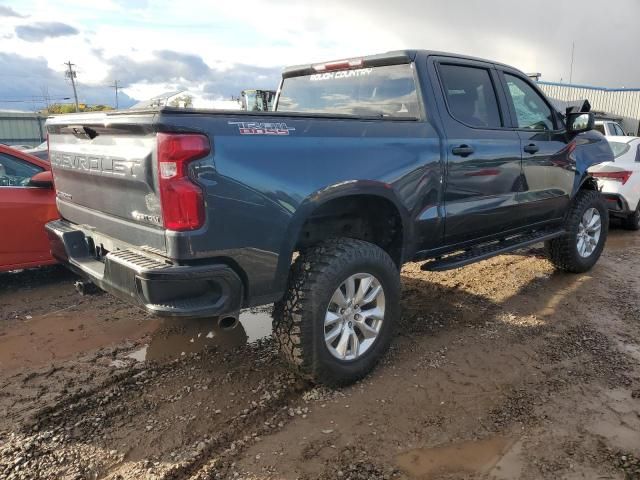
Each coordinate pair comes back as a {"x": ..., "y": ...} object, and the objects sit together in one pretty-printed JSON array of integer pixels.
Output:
[{"x": 394, "y": 57}]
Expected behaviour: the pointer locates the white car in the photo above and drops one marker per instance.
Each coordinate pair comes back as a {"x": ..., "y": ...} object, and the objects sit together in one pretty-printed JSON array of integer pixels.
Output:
[
  {"x": 609, "y": 128},
  {"x": 619, "y": 180}
]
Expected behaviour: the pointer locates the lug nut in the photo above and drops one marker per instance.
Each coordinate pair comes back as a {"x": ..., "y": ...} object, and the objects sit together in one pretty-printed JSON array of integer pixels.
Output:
[{"x": 357, "y": 316}]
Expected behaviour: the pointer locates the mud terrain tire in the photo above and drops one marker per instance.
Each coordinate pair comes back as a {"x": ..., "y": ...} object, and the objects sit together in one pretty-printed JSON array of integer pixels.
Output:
[
  {"x": 632, "y": 222},
  {"x": 299, "y": 318},
  {"x": 563, "y": 251}
]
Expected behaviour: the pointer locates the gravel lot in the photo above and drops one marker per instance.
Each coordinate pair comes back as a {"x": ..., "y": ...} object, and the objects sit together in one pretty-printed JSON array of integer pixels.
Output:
[{"x": 504, "y": 369}]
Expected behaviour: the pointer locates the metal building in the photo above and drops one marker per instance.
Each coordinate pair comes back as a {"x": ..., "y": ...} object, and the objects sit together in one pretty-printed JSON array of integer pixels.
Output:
[
  {"x": 21, "y": 128},
  {"x": 619, "y": 103}
]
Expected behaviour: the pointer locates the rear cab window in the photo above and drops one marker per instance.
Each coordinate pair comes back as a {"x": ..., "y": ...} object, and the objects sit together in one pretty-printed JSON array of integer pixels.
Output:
[{"x": 387, "y": 91}]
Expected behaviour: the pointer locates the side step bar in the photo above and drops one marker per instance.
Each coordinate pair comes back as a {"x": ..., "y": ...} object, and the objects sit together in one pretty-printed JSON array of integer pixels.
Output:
[{"x": 488, "y": 250}]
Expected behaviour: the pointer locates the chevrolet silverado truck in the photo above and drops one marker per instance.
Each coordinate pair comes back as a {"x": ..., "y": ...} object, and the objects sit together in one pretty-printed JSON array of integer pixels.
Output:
[{"x": 364, "y": 164}]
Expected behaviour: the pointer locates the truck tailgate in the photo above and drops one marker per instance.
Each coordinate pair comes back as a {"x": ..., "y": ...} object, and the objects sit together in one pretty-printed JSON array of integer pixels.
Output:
[{"x": 106, "y": 175}]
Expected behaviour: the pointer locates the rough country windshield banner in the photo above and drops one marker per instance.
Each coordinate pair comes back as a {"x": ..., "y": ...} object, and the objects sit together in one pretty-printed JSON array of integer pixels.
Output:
[{"x": 341, "y": 74}]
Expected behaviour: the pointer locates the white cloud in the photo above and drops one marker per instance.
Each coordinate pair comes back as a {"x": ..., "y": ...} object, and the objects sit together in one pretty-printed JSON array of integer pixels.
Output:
[{"x": 228, "y": 37}]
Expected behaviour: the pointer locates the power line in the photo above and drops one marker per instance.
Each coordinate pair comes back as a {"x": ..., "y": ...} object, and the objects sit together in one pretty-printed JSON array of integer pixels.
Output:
[
  {"x": 33, "y": 99},
  {"x": 71, "y": 74},
  {"x": 116, "y": 87}
]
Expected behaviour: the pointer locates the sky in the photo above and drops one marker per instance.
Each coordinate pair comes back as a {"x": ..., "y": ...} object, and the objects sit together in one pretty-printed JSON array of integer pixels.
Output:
[{"x": 216, "y": 48}]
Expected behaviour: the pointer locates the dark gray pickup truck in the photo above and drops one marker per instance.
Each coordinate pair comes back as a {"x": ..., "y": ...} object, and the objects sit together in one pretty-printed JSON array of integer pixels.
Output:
[{"x": 365, "y": 164}]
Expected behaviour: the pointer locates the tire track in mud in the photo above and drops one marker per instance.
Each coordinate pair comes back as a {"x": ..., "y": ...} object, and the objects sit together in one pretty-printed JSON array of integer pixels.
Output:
[{"x": 85, "y": 415}]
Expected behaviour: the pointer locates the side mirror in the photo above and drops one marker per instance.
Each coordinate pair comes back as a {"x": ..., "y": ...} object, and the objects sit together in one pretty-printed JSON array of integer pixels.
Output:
[
  {"x": 42, "y": 180},
  {"x": 579, "y": 122}
]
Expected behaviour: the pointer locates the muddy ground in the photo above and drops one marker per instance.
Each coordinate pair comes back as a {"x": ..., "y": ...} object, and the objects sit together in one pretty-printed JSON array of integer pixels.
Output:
[{"x": 504, "y": 369}]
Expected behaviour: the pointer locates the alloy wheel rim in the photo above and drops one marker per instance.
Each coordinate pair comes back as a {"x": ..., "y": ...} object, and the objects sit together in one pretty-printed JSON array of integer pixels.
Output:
[
  {"x": 354, "y": 317},
  {"x": 589, "y": 231}
]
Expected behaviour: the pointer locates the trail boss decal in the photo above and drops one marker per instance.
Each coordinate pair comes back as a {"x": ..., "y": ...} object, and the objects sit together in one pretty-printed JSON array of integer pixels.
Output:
[{"x": 256, "y": 128}]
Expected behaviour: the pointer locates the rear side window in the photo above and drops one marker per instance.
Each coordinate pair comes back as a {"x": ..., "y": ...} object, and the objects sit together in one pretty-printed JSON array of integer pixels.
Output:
[
  {"x": 387, "y": 92},
  {"x": 619, "y": 148},
  {"x": 532, "y": 112},
  {"x": 15, "y": 172},
  {"x": 618, "y": 131},
  {"x": 470, "y": 95}
]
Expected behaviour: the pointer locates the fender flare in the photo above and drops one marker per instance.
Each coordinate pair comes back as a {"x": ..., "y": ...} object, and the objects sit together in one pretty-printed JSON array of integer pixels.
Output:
[
  {"x": 320, "y": 197},
  {"x": 585, "y": 182}
]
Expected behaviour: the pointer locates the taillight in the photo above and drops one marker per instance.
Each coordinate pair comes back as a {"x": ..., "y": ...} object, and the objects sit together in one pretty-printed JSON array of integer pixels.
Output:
[
  {"x": 619, "y": 176},
  {"x": 182, "y": 200}
]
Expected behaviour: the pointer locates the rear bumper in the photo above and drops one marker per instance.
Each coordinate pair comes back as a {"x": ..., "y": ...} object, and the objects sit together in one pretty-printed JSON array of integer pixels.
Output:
[
  {"x": 617, "y": 204},
  {"x": 148, "y": 280}
]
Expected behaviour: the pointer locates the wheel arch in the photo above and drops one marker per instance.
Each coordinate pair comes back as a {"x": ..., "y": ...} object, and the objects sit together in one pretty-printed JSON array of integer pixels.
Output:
[
  {"x": 359, "y": 190},
  {"x": 585, "y": 182}
]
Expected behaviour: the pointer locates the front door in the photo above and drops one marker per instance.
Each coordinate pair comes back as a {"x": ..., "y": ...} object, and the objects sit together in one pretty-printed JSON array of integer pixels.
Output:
[
  {"x": 547, "y": 162},
  {"x": 23, "y": 212},
  {"x": 483, "y": 155}
]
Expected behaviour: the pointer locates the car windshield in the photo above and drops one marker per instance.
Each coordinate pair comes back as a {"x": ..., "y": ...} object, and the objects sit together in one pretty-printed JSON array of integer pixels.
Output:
[
  {"x": 386, "y": 91},
  {"x": 619, "y": 148}
]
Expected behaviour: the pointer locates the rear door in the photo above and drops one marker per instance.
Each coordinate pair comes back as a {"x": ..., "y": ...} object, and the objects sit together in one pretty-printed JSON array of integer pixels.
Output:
[
  {"x": 547, "y": 162},
  {"x": 483, "y": 155},
  {"x": 23, "y": 212},
  {"x": 106, "y": 175}
]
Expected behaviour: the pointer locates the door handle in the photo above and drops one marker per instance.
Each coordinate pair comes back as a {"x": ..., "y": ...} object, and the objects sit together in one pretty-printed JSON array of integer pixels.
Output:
[
  {"x": 531, "y": 148},
  {"x": 462, "y": 150}
]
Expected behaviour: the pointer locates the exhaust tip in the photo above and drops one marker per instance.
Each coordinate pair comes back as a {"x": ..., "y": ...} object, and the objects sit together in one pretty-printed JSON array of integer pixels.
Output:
[{"x": 227, "y": 323}]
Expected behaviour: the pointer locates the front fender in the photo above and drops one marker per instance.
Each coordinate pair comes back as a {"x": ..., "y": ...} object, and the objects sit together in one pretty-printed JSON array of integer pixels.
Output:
[{"x": 591, "y": 149}]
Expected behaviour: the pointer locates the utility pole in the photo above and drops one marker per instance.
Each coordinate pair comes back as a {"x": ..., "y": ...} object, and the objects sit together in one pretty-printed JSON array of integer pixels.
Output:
[
  {"x": 117, "y": 87},
  {"x": 573, "y": 47},
  {"x": 71, "y": 74}
]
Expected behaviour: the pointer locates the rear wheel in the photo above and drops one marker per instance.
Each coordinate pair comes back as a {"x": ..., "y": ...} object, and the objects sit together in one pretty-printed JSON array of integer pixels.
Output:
[
  {"x": 632, "y": 222},
  {"x": 336, "y": 319},
  {"x": 586, "y": 227}
]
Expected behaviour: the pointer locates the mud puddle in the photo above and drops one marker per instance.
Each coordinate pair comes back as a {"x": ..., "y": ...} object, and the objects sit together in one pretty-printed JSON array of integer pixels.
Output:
[
  {"x": 176, "y": 338},
  {"x": 478, "y": 456},
  {"x": 65, "y": 333}
]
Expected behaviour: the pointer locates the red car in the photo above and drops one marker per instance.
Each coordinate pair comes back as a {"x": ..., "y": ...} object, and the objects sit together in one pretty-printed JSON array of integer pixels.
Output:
[{"x": 27, "y": 202}]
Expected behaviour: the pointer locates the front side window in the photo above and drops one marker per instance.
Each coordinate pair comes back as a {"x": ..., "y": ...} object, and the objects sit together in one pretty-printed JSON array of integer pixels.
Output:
[
  {"x": 470, "y": 95},
  {"x": 15, "y": 172},
  {"x": 386, "y": 92},
  {"x": 532, "y": 112}
]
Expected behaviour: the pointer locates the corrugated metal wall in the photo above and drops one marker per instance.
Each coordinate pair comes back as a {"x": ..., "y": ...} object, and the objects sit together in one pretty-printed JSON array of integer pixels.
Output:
[
  {"x": 623, "y": 103},
  {"x": 21, "y": 128}
]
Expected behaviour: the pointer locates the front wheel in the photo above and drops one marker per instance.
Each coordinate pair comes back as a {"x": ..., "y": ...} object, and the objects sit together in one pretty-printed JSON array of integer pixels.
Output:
[
  {"x": 632, "y": 222},
  {"x": 586, "y": 229},
  {"x": 336, "y": 319}
]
